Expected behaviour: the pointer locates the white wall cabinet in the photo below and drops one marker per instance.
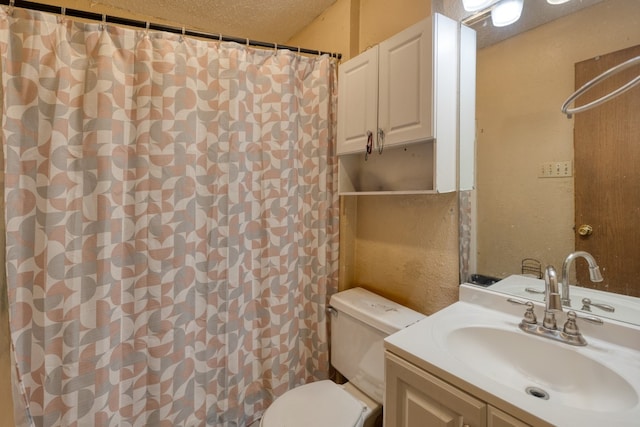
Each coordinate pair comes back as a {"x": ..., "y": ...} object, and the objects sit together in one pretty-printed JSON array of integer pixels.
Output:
[
  {"x": 402, "y": 95},
  {"x": 415, "y": 398}
]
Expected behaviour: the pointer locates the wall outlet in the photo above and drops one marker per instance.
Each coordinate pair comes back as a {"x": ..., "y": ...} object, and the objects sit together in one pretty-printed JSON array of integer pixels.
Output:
[{"x": 556, "y": 169}]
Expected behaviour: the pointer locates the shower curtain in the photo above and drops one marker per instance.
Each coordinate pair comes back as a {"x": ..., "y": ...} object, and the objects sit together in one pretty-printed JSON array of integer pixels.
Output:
[{"x": 171, "y": 223}]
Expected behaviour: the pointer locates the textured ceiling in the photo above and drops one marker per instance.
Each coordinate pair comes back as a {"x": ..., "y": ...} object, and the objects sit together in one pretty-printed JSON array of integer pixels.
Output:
[
  {"x": 278, "y": 20},
  {"x": 265, "y": 20}
]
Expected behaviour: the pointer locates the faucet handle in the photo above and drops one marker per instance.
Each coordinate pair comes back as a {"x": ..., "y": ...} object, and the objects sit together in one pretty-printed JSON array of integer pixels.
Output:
[
  {"x": 571, "y": 332},
  {"x": 591, "y": 319},
  {"x": 571, "y": 327},
  {"x": 529, "y": 315},
  {"x": 587, "y": 303}
]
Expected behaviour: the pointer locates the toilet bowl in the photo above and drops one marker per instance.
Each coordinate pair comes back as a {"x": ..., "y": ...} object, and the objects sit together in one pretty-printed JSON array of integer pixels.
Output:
[
  {"x": 319, "y": 404},
  {"x": 360, "y": 320}
]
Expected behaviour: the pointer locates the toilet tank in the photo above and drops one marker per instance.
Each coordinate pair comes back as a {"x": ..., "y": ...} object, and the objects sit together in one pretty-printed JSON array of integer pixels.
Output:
[{"x": 359, "y": 325}]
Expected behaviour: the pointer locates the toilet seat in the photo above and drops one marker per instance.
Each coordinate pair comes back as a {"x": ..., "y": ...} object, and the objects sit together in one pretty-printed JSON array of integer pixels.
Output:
[{"x": 317, "y": 404}]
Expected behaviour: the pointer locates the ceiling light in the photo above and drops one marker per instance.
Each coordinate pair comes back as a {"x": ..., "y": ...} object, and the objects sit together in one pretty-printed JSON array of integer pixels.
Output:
[
  {"x": 557, "y": 1},
  {"x": 473, "y": 5},
  {"x": 506, "y": 12}
]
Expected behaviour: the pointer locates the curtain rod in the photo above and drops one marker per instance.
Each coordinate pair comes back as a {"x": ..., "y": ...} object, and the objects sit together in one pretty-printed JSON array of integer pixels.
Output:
[{"x": 24, "y": 4}]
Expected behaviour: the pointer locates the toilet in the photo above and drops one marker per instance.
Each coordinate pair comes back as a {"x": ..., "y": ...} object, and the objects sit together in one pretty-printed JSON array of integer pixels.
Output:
[{"x": 360, "y": 320}]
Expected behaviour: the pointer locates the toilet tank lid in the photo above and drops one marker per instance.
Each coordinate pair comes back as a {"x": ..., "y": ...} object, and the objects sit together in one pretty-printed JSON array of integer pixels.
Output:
[{"x": 374, "y": 310}]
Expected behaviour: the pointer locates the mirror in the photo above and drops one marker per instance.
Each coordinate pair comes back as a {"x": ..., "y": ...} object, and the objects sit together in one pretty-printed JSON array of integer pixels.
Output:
[{"x": 522, "y": 222}]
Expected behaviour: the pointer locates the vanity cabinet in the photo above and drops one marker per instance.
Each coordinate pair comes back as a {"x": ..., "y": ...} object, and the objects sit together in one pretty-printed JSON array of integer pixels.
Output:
[
  {"x": 401, "y": 96},
  {"x": 415, "y": 398}
]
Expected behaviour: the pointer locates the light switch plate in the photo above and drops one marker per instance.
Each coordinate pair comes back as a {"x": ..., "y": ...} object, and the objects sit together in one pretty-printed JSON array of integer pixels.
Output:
[{"x": 561, "y": 169}]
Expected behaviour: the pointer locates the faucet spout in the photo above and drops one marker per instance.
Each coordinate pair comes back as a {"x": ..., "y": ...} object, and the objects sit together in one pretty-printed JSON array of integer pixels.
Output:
[
  {"x": 594, "y": 273},
  {"x": 552, "y": 298},
  {"x": 551, "y": 290}
]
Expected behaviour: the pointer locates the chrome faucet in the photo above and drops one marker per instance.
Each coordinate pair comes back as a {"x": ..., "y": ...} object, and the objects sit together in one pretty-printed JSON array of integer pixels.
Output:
[
  {"x": 552, "y": 297},
  {"x": 570, "y": 333},
  {"x": 594, "y": 273}
]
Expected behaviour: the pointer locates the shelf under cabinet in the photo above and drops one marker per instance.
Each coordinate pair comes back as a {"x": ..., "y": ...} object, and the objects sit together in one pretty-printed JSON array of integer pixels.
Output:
[{"x": 405, "y": 169}]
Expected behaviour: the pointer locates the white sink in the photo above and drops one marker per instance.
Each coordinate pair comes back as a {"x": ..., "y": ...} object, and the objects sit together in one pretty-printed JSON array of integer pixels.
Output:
[
  {"x": 541, "y": 367},
  {"x": 476, "y": 345}
]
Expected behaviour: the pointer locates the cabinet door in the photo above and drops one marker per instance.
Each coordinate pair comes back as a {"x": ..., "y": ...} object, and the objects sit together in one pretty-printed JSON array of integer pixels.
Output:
[
  {"x": 357, "y": 101},
  {"x": 415, "y": 398},
  {"x": 406, "y": 85},
  {"x": 497, "y": 418},
  {"x": 467, "y": 83}
]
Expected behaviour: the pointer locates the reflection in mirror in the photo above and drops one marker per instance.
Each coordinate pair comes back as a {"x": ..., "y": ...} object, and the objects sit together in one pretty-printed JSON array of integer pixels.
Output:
[
  {"x": 590, "y": 301},
  {"x": 517, "y": 215}
]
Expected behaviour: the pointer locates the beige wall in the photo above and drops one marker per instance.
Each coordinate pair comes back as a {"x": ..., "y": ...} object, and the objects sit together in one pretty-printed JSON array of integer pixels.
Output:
[
  {"x": 402, "y": 247},
  {"x": 351, "y": 26},
  {"x": 522, "y": 82},
  {"x": 406, "y": 248},
  {"x": 331, "y": 31},
  {"x": 380, "y": 19}
]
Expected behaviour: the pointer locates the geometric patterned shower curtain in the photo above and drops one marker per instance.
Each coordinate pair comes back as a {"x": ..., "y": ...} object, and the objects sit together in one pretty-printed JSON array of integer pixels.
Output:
[{"x": 171, "y": 223}]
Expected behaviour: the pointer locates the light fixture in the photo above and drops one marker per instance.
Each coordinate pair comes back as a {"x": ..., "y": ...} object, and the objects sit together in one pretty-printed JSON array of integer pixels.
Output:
[
  {"x": 474, "y": 5},
  {"x": 506, "y": 12},
  {"x": 557, "y": 1}
]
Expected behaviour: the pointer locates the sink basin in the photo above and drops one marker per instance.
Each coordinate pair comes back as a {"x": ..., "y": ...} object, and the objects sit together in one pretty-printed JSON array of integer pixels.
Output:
[
  {"x": 475, "y": 345},
  {"x": 548, "y": 370}
]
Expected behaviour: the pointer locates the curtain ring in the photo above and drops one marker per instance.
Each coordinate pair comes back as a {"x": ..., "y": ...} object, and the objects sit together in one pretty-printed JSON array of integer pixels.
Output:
[
  {"x": 63, "y": 13},
  {"x": 247, "y": 42},
  {"x": 220, "y": 37},
  {"x": 275, "y": 47},
  {"x": 103, "y": 24},
  {"x": 182, "y": 35},
  {"x": 12, "y": 4}
]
